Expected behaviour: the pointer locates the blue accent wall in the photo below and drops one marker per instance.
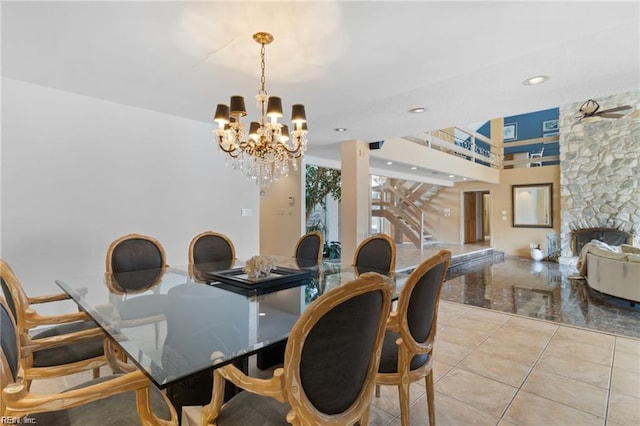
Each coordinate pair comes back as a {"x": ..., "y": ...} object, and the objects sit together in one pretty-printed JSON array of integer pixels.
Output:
[{"x": 530, "y": 126}]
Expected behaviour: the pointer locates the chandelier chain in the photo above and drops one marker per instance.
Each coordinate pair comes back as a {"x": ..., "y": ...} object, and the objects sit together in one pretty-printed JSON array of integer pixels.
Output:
[
  {"x": 262, "y": 91},
  {"x": 262, "y": 68}
]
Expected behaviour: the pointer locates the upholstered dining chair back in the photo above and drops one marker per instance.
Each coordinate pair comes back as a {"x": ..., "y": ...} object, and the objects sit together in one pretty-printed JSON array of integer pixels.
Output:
[
  {"x": 211, "y": 247},
  {"x": 334, "y": 347},
  {"x": 422, "y": 308},
  {"x": 309, "y": 248},
  {"x": 407, "y": 352},
  {"x": 135, "y": 252},
  {"x": 377, "y": 252},
  {"x": 9, "y": 345},
  {"x": 330, "y": 364}
]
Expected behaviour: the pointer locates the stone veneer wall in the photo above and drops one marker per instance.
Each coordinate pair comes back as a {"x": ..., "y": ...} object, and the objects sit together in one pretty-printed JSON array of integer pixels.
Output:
[{"x": 600, "y": 171}]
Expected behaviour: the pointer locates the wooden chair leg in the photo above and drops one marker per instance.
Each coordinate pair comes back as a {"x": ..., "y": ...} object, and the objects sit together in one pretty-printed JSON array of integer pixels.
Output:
[
  {"x": 431, "y": 406},
  {"x": 377, "y": 391},
  {"x": 403, "y": 390}
]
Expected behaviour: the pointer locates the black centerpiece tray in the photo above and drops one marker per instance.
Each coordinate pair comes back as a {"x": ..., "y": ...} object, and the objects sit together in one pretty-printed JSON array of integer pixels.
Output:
[{"x": 237, "y": 280}]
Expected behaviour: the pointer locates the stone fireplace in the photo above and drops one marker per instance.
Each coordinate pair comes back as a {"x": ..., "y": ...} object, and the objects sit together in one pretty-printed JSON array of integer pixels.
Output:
[{"x": 599, "y": 176}]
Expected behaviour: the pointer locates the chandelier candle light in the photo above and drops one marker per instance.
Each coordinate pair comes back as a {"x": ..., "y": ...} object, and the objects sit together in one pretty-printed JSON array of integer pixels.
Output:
[{"x": 262, "y": 155}]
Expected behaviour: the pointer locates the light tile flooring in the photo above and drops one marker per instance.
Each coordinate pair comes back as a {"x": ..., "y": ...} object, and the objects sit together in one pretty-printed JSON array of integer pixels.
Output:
[{"x": 494, "y": 368}]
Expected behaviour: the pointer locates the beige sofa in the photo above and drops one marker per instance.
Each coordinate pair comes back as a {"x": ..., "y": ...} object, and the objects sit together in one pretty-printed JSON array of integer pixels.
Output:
[{"x": 613, "y": 272}]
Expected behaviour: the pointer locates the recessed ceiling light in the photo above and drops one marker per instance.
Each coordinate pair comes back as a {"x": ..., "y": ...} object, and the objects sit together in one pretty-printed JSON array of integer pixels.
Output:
[
  {"x": 464, "y": 178},
  {"x": 417, "y": 110},
  {"x": 262, "y": 314},
  {"x": 413, "y": 168},
  {"x": 339, "y": 129},
  {"x": 451, "y": 176},
  {"x": 539, "y": 79},
  {"x": 389, "y": 162}
]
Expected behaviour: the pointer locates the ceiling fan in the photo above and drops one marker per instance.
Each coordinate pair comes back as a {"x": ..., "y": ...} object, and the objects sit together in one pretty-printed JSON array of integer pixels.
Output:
[{"x": 590, "y": 112}]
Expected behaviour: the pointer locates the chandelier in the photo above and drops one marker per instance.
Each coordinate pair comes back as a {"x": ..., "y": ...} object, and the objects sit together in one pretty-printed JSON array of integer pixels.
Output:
[{"x": 264, "y": 152}]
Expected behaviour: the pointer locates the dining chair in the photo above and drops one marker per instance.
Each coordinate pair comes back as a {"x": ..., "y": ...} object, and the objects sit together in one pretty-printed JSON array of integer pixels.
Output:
[
  {"x": 307, "y": 254},
  {"x": 378, "y": 252},
  {"x": 134, "y": 295},
  {"x": 308, "y": 251},
  {"x": 210, "y": 247},
  {"x": 536, "y": 154},
  {"x": 127, "y": 399},
  {"x": 135, "y": 252},
  {"x": 329, "y": 369},
  {"x": 407, "y": 351},
  {"x": 84, "y": 340}
]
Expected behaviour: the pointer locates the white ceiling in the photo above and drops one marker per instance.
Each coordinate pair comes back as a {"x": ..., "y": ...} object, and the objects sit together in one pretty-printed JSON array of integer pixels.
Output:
[{"x": 358, "y": 65}]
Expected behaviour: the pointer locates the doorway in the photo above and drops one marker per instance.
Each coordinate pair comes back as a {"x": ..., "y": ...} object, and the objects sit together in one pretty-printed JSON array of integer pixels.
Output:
[{"x": 476, "y": 217}]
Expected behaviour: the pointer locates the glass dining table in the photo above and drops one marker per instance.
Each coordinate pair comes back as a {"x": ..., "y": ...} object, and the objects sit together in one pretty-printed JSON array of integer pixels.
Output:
[{"x": 177, "y": 322}]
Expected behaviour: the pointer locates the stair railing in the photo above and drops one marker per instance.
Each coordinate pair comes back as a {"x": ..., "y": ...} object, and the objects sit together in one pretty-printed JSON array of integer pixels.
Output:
[{"x": 417, "y": 212}]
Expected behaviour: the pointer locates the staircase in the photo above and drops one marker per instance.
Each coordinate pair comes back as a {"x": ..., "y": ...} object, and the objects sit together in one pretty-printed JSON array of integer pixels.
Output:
[{"x": 402, "y": 203}]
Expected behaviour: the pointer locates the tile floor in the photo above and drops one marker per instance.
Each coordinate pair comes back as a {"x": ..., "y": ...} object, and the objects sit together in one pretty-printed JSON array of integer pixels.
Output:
[
  {"x": 527, "y": 360},
  {"x": 494, "y": 368}
]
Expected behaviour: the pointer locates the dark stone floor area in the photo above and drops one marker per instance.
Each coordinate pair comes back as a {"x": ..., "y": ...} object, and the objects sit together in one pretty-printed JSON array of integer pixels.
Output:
[{"x": 544, "y": 290}]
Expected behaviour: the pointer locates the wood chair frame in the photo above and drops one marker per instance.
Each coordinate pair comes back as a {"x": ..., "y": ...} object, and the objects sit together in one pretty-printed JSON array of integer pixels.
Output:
[
  {"x": 408, "y": 347},
  {"x": 28, "y": 318},
  {"x": 285, "y": 384},
  {"x": 388, "y": 239},
  {"x": 18, "y": 401}
]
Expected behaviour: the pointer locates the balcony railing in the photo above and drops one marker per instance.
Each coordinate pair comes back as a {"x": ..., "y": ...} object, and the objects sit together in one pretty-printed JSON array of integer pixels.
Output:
[
  {"x": 463, "y": 143},
  {"x": 477, "y": 148}
]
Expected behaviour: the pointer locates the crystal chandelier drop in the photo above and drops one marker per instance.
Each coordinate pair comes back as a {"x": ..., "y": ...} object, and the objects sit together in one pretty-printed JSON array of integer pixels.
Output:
[{"x": 264, "y": 152}]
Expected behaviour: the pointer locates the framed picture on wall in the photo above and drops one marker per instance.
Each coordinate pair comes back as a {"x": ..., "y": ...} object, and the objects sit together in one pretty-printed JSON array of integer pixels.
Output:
[
  {"x": 510, "y": 131},
  {"x": 550, "y": 126}
]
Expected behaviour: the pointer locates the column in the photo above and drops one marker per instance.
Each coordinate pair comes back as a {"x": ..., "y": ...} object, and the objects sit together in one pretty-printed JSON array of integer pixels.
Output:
[{"x": 355, "y": 202}]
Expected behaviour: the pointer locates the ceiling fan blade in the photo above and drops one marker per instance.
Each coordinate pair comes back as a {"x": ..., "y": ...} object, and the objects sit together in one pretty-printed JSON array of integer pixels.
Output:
[
  {"x": 616, "y": 109},
  {"x": 609, "y": 115}
]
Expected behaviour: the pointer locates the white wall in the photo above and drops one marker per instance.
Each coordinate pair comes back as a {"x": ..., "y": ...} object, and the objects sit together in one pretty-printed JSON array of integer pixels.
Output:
[{"x": 79, "y": 172}]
